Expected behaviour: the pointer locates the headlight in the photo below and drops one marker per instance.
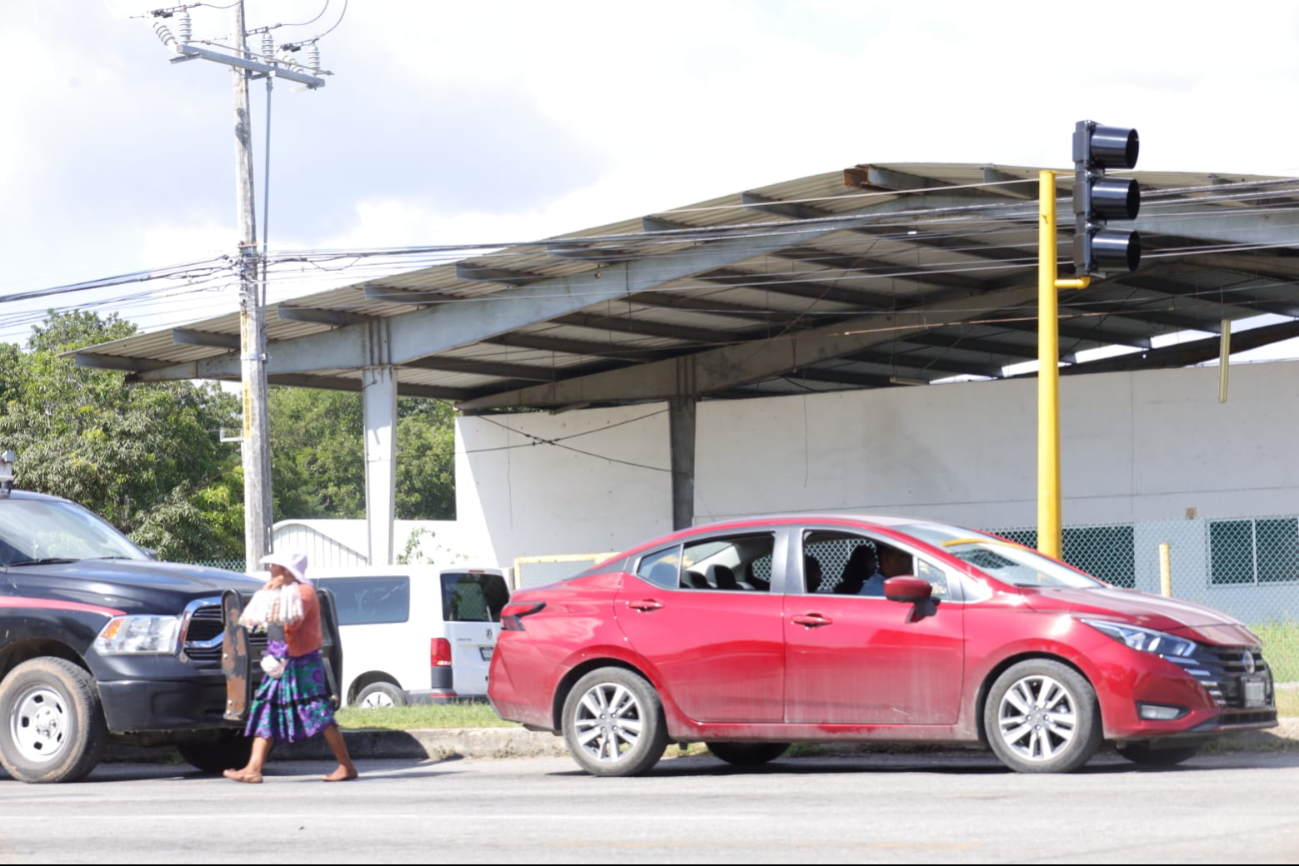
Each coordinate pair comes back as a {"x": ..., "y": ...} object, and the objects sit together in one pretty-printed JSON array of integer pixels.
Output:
[
  {"x": 138, "y": 634},
  {"x": 1144, "y": 639}
]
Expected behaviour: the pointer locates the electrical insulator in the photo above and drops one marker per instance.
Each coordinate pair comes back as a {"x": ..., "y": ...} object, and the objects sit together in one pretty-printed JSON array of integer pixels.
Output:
[
  {"x": 184, "y": 26},
  {"x": 268, "y": 46},
  {"x": 313, "y": 58},
  {"x": 164, "y": 33}
]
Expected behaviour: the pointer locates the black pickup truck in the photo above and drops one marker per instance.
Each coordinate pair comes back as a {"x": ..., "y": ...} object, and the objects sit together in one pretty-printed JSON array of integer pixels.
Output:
[{"x": 100, "y": 643}]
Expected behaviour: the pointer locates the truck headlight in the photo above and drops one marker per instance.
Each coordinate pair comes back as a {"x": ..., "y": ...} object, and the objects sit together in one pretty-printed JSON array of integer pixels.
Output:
[
  {"x": 1144, "y": 639},
  {"x": 138, "y": 634}
]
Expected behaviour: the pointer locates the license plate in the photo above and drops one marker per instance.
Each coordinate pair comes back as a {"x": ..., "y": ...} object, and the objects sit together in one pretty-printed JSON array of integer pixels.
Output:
[
  {"x": 487, "y": 653},
  {"x": 1255, "y": 696}
]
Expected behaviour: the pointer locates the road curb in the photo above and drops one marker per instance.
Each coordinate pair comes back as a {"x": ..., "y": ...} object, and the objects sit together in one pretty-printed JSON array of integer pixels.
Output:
[{"x": 424, "y": 745}]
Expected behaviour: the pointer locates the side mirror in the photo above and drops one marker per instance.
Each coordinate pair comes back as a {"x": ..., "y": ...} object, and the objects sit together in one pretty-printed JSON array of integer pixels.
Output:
[
  {"x": 908, "y": 589},
  {"x": 150, "y": 552}
]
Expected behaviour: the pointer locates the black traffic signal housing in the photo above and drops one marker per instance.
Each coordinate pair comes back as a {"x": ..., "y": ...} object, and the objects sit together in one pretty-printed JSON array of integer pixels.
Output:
[{"x": 1098, "y": 199}]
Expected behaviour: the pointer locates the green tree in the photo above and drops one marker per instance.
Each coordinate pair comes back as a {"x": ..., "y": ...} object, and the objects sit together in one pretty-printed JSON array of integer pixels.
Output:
[
  {"x": 138, "y": 454},
  {"x": 318, "y": 456}
]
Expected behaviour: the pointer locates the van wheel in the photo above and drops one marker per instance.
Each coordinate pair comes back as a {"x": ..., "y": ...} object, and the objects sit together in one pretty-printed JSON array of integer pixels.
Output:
[
  {"x": 748, "y": 754},
  {"x": 52, "y": 725},
  {"x": 613, "y": 723},
  {"x": 228, "y": 751},
  {"x": 380, "y": 695},
  {"x": 1042, "y": 717}
]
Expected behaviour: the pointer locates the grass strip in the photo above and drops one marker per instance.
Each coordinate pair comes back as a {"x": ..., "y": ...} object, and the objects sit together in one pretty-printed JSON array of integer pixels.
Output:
[{"x": 420, "y": 717}]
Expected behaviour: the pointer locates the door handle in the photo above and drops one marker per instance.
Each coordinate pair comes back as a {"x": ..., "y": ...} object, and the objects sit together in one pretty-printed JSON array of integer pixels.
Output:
[
  {"x": 813, "y": 620},
  {"x": 647, "y": 605}
]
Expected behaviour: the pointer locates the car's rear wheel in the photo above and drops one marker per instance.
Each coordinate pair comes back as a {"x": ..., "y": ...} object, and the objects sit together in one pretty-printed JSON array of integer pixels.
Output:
[
  {"x": 51, "y": 722},
  {"x": 228, "y": 750},
  {"x": 1042, "y": 717},
  {"x": 613, "y": 723},
  {"x": 748, "y": 754},
  {"x": 1143, "y": 754}
]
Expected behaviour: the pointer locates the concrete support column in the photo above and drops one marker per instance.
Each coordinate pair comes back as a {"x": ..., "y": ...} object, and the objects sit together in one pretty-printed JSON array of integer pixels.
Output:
[
  {"x": 379, "y": 393},
  {"x": 681, "y": 433}
]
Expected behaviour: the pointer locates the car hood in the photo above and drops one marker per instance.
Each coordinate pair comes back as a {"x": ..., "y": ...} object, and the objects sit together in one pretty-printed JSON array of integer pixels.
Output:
[
  {"x": 1143, "y": 609},
  {"x": 133, "y": 586}
]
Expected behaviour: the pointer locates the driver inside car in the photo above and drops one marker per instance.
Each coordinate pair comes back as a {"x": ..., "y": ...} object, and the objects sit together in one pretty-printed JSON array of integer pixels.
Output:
[{"x": 892, "y": 563}]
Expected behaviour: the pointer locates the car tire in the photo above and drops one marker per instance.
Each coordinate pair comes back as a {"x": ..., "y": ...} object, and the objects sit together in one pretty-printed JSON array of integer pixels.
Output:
[
  {"x": 230, "y": 750},
  {"x": 1042, "y": 716},
  {"x": 52, "y": 725},
  {"x": 378, "y": 695},
  {"x": 748, "y": 754},
  {"x": 613, "y": 723},
  {"x": 1142, "y": 754}
]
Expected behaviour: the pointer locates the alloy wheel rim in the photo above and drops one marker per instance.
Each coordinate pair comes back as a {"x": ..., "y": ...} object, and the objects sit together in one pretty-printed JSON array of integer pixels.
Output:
[
  {"x": 1038, "y": 718},
  {"x": 609, "y": 722},
  {"x": 38, "y": 725}
]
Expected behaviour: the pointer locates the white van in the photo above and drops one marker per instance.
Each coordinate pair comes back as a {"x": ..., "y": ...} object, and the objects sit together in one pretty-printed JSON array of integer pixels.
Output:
[{"x": 415, "y": 634}]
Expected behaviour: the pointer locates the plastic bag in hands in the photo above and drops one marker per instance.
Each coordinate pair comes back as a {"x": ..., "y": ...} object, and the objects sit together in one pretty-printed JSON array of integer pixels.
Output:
[{"x": 273, "y": 667}]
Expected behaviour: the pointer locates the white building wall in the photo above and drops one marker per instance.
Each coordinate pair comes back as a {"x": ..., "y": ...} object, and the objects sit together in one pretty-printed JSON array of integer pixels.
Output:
[{"x": 1135, "y": 446}]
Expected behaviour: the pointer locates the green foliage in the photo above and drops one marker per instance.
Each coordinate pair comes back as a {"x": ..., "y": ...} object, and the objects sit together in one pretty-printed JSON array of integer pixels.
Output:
[
  {"x": 1281, "y": 648},
  {"x": 135, "y": 453},
  {"x": 318, "y": 456}
]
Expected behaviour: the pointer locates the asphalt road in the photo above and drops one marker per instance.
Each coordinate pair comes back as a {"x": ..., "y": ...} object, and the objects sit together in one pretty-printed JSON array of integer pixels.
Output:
[{"x": 888, "y": 809}]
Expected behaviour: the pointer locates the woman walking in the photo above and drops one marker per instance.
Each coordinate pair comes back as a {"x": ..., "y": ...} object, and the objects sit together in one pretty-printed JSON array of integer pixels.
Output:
[{"x": 293, "y": 701}]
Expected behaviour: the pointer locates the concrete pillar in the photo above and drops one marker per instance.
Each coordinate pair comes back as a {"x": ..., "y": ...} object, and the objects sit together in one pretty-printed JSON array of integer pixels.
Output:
[
  {"x": 379, "y": 393},
  {"x": 681, "y": 434}
]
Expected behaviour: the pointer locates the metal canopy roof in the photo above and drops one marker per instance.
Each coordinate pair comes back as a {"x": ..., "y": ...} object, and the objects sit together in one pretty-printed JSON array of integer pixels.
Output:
[{"x": 875, "y": 276}]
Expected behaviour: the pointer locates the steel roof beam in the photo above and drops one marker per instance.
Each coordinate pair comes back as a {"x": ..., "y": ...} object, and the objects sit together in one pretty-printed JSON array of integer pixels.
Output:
[
  {"x": 339, "y": 383},
  {"x": 1229, "y": 226},
  {"x": 940, "y": 340},
  {"x": 1078, "y": 329},
  {"x": 335, "y": 318},
  {"x": 925, "y": 363},
  {"x": 864, "y": 267},
  {"x": 1013, "y": 186},
  {"x": 1158, "y": 316},
  {"x": 117, "y": 362},
  {"x": 183, "y": 337},
  {"x": 1187, "y": 354},
  {"x": 815, "y": 289},
  {"x": 598, "y": 255},
  {"x": 643, "y": 327},
  {"x": 412, "y": 297},
  {"x": 680, "y": 301},
  {"x": 1234, "y": 297},
  {"x": 840, "y": 377},
  {"x": 733, "y": 366},
  {"x": 479, "y": 274},
  {"x": 1268, "y": 264},
  {"x": 613, "y": 351},
  {"x": 475, "y": 367}
]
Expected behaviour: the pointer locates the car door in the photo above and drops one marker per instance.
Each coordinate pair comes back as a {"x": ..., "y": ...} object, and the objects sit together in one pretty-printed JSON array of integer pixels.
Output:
[
  {"x": 707, "y": 615},
  {"x": 853, "y": 659},
  {"x": 472, "y": 601}
]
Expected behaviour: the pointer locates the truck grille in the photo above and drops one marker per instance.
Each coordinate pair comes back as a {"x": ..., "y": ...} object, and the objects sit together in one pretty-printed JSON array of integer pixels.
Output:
[
  {"x": 1221, "y": 669},
  {"x": 205, "y": 635}
]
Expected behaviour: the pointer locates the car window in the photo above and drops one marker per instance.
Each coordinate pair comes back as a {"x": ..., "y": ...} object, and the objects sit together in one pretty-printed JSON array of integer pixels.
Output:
[
  {"x": 728, "y": 564},
  {"x": 661, "y": 568},
  {"x": 936, "y": 576},
  {"x": 1005, "y": 560},
  {"x": 470, "y": 597},
  {"x": 33, "y": 530},
  {"x": 837, "y": 563},
  {"x": 370, "y": 600}
]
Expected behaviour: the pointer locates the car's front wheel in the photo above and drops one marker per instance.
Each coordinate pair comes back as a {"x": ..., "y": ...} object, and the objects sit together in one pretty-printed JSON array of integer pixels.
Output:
[
  {"x": 51, "y": 722},
  {"x": 378, "y": 695},
  {"x": 748, "y": 754},
  {"x": 1042, "y": 717},
  {"x": 613, "y": 723}
]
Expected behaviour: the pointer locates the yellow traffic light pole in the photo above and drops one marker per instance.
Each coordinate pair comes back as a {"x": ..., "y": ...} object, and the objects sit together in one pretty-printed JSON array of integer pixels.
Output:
[{"x": 1049, "y": 530}]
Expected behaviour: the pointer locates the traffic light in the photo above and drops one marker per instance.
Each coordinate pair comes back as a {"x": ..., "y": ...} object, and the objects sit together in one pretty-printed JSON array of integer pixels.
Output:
[{"x": 1098, "y": 199}]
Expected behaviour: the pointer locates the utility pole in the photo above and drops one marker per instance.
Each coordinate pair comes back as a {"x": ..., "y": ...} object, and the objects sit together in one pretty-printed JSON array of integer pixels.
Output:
[
  {"x": 258, "y": 515},
  {"x": 252, "y": 310}
]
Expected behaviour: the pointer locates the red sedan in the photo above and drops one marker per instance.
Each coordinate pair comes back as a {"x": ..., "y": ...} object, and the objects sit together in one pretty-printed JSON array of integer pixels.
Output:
[{"x": 755, "y": 634}]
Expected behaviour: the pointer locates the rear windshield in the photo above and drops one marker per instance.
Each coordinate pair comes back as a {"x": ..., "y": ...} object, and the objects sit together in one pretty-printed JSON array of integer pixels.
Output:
[
  {"x": 473, "y": 597},
  {"x": 369, "y": 600}
]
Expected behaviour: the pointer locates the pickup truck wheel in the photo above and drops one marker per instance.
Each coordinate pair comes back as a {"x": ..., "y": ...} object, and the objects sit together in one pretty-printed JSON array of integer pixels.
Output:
[
  {"x": 51, "y": 722},
  {"x": 229, "y": 751}
]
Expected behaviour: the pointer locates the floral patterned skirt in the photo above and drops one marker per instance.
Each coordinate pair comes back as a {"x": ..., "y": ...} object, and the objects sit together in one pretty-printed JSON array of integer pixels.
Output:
[{"x": 294, "y": 706}]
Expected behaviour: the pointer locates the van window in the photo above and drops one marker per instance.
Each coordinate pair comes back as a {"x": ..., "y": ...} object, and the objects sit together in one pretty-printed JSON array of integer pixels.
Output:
[
  {"x": 369, "y": 600},
  {"x": 473, "y": 597}
]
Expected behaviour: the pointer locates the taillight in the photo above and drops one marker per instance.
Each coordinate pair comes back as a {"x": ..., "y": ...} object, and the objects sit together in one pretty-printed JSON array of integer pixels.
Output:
[
  {"x": 440, "y": 653},
  {"x": 514, "y": 621}
]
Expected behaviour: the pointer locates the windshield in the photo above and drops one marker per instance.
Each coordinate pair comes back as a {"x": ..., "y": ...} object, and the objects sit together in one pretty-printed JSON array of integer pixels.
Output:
[
  {"x": 1003, "y": 560},
  {"x": 37, "y": 530}
]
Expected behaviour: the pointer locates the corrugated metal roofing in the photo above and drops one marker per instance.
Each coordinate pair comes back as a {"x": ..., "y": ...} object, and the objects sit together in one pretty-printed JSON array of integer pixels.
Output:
[{"x": 816, "y": 279}]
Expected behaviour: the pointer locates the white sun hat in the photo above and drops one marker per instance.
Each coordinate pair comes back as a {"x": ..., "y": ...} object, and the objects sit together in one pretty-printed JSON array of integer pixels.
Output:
[{"x": 296, "y": 563}]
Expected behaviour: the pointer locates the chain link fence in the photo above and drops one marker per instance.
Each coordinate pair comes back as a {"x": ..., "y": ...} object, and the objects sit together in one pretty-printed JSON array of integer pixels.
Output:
[{"x": 226, "y": 564}]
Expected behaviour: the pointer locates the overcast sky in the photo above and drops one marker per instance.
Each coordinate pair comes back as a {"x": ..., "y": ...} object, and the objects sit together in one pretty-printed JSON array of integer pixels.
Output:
[{"x": 481, "y": 122}]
